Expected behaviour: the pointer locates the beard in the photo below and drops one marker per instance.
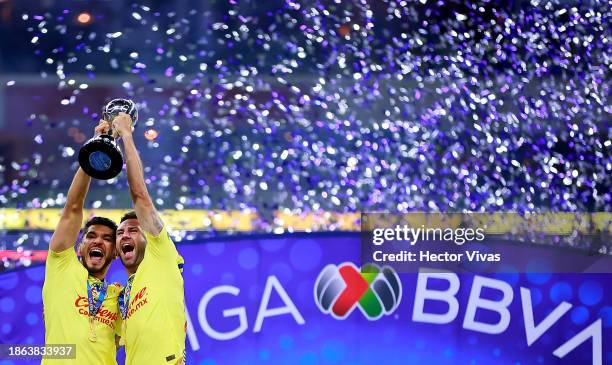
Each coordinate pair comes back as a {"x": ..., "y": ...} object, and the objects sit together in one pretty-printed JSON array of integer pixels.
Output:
[
  {"x": 94, "y": 270},
  {"x": 132, "y": 263}
]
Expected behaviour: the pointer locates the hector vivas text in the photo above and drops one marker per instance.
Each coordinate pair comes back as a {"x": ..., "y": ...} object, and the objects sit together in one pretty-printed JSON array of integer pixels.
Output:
[{"x": 435, "y": 238}]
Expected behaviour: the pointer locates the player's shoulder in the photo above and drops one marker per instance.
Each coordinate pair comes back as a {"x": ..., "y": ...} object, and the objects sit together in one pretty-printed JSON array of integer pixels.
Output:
[
  {"x": 67, "y": 252},
  {"x": 65, "y": 260},
  {"x": 162, "y": 235}
]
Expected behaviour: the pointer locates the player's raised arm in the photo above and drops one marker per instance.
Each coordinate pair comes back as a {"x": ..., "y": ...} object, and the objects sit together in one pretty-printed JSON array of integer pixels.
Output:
[
  {"x": 67, "y": 229},
  {"x": 143, "y": 205}
]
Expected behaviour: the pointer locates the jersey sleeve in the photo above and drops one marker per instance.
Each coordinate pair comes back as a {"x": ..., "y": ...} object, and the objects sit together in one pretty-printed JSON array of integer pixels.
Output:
[
  {"x": 161, "y": 246},
  {"x": 61, "y": 264}
]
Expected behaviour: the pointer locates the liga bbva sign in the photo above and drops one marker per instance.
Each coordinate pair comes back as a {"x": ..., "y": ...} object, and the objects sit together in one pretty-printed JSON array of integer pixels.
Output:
[{"x": 307, "y": 298}]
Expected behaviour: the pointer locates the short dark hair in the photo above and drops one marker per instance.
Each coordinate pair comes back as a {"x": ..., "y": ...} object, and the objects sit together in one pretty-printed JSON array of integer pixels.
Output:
[
  {"x": 102, "y": 221},
  {"x": 129, "y": 215}
]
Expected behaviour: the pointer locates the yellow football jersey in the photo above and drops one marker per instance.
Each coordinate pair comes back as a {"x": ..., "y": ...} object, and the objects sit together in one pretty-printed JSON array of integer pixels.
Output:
[
  {"x": 66, "y": 311},
  {"x": 155, "y": 324}
]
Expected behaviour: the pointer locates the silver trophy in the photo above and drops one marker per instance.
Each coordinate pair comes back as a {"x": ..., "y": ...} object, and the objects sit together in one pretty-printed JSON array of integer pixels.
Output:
[{"x": 100, "y": 157}]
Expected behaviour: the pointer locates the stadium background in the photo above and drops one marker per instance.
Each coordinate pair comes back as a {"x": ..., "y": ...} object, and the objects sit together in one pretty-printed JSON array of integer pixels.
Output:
[{"x": 269, "y": 118}]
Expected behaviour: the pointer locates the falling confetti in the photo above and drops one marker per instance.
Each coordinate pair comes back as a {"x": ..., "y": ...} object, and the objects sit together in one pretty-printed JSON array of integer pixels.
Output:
[{"x": 353, "y": 106}]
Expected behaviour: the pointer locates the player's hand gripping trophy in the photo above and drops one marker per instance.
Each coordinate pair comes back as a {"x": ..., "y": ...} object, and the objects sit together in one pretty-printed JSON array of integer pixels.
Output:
[{"x": 100, "y": 157}]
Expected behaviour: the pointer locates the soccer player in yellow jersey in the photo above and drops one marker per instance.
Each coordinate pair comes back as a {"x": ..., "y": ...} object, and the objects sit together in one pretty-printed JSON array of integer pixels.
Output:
[
  {"x": 79, "y": 306},
  {"x": 153, "y": 302}
]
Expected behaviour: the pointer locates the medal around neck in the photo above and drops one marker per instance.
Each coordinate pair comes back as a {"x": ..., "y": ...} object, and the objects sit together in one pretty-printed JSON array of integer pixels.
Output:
[
  {"x": 94, "y": 305},
  {"x": 100, "y": 157}
]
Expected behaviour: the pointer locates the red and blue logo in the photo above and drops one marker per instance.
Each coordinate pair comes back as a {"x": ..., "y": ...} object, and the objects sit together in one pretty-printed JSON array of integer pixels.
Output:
[{"x": 374, "y": 290}]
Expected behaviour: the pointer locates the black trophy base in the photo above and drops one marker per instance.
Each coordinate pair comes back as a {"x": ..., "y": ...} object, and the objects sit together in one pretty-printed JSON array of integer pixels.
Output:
[{"x": 100, "y": 158}]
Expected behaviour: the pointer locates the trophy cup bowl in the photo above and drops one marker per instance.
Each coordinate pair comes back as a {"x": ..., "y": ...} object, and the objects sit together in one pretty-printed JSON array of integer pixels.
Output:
[{"x": 100, "y": 157}]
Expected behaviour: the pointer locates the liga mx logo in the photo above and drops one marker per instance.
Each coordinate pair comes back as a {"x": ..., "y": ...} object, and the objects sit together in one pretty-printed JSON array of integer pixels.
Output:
[{"x": 375, "y": 291}]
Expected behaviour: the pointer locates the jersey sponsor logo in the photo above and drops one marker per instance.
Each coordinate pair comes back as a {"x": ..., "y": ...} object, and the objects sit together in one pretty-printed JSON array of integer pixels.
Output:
[
  {"x": 104, "y": 315},
  {"x": 139, "y": 301}
]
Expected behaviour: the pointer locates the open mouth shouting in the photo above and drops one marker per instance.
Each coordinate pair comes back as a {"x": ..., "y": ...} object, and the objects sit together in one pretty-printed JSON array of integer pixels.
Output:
[
  {"x": 96, "y": 255},
  {"x": 127, "y": 250}
]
